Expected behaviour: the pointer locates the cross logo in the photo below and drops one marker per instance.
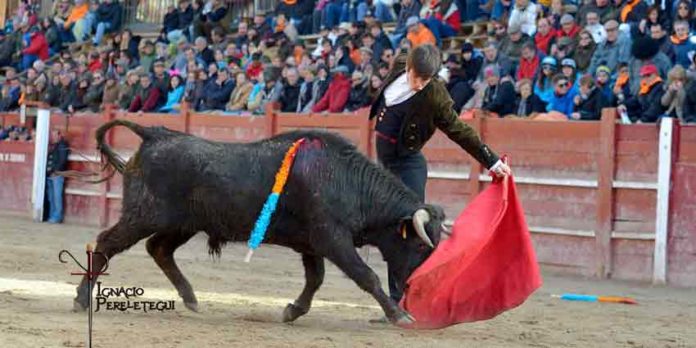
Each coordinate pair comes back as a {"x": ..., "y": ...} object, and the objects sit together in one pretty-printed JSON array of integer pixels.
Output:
[{"x": 91, "y": 274}]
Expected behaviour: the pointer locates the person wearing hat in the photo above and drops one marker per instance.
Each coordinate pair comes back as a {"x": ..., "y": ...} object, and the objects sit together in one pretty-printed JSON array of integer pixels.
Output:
[
  {"x": 409, "y": 8},
  {"x": 147, "y": 96},
  {"x": 603, "y": 82},
  {"x": 471, "y": 64},
  {"x": 412, "y": 103},
  {"x": 570, "y": 70},
  {"x": 337, "y": 94},
  {"x": 544, "y": 84},
  {"x": 512, "y": 43},
  {"x": 645, "y": 50},
  {"x": 499, "y": 94},
  {"x": 616, "y": 49},
  {"x": 418, "y": 34},
  {"x": 645, "y": 106},
  {"x": 568, "y": 27},
  {"x": 366, "y": 58}
]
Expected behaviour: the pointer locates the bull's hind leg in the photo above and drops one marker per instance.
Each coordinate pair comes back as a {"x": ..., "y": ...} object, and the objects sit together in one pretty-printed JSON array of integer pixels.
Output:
[
  {"x": 314, "y": 277},
  {"x": 343, "y": 254},
  {"x": 161, "y": 247},
  {"x": 110, "y": 242}
]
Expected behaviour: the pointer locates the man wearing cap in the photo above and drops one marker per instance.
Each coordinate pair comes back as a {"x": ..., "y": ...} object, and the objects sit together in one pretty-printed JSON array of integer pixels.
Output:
[
  {"x": 419, "y": 34},
  {"x": 499, "y": 95},
  {"x": 511, "y": 45},
  {"x": 613, "y": 51},
  {"x": 409, "y": 8},
  {"x": 568, "y": 27},
  {"x": 645, "y": 107},
  {"x": 147, "y": 97},
  {"x": 411, "y": 104}
]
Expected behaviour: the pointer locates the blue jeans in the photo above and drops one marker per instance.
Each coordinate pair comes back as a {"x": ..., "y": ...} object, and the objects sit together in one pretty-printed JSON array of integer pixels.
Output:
[
  {"x": 412, "y": 169},
  {"x": 54, "y": 191},
  {"x": 28, "y": 60},
  {"x": 335, "y": 13},
  {"x": 383, "y": 13},
  {"x": 102, "y": 27},
  {"x": 439, "y": 29}
]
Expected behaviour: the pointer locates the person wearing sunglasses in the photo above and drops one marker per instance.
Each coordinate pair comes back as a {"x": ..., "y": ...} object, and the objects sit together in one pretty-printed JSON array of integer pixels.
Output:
[
  {"x": 563, "y": 96},
  {"x": 544, "y": 84}
]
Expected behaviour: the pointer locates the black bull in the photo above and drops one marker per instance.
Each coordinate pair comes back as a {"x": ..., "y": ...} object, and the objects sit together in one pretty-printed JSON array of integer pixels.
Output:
[{"x": 335, "y": 199}]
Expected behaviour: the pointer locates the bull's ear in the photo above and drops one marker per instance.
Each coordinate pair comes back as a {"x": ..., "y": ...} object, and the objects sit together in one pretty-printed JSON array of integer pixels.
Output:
[{"x": 405, "y": 227}]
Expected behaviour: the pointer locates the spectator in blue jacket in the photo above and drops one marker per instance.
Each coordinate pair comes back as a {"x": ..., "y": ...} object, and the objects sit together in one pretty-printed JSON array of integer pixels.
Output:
[
  {"x": 563, "y": 96},
  {"x": 218, "y": 91}
]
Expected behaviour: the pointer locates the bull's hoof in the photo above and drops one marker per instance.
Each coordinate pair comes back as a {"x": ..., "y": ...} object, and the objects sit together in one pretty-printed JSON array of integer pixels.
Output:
[
  {"x": 78, "y": 306},
  {"x": 293, "y": 312},
  {"x": 403, "y": 320},
  {"x": 192, "y": 306}
]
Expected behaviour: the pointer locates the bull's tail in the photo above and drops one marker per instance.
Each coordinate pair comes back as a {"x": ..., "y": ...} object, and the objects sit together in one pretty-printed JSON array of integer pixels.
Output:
[{"x": 112, "y": 158}]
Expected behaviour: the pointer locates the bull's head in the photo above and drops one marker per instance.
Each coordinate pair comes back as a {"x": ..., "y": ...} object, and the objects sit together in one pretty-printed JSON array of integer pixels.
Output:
[{"x": 415, "y": 240}]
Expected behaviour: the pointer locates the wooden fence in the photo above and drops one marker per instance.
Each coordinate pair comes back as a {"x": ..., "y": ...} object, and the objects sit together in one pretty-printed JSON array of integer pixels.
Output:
[{"x": 600, "y": 198}]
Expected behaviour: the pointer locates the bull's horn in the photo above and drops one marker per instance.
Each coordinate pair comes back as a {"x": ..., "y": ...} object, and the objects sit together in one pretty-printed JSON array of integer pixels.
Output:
[
  {"x": 420, "y": 218},
  {"x": 446, "y": 229}
]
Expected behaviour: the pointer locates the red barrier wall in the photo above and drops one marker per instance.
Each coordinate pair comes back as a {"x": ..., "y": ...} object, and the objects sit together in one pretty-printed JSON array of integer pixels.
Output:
[{"x": 589, "y": 189}]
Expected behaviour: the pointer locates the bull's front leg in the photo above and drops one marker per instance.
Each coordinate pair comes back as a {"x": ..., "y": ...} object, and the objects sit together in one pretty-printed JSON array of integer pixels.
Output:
[
  {"x": 347, "y": 259},
  {"x": 314, "y": 277}
]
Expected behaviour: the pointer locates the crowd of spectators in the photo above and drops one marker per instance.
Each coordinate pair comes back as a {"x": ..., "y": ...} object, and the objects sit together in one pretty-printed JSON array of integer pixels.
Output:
[{"x": 562, "y": 59}]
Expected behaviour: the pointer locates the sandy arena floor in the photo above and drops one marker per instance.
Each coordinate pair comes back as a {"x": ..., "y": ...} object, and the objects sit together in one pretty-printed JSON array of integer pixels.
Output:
[{"x": 241, "y": 304}]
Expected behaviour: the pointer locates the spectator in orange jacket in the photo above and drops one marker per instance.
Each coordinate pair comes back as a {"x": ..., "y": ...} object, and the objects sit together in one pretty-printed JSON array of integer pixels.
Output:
[
  {"x": 337, "y": 95},
  {"x": 418, "y": 33}
]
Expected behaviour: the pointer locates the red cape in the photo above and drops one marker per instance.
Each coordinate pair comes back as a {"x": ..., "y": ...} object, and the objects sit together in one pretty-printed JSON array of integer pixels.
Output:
[{"x": 486, "y": 267}]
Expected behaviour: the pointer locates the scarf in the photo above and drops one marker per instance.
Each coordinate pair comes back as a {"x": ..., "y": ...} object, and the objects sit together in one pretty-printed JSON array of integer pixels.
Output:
[
  {"x": 528, "y": 68},
  {"x": 544, "y": 41},
  {"x": 645, "y": 88},
  {"x": 678, "y": 40},
  {"x": 626, "y": 10},
  {"x": 622, "y": 80}
]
